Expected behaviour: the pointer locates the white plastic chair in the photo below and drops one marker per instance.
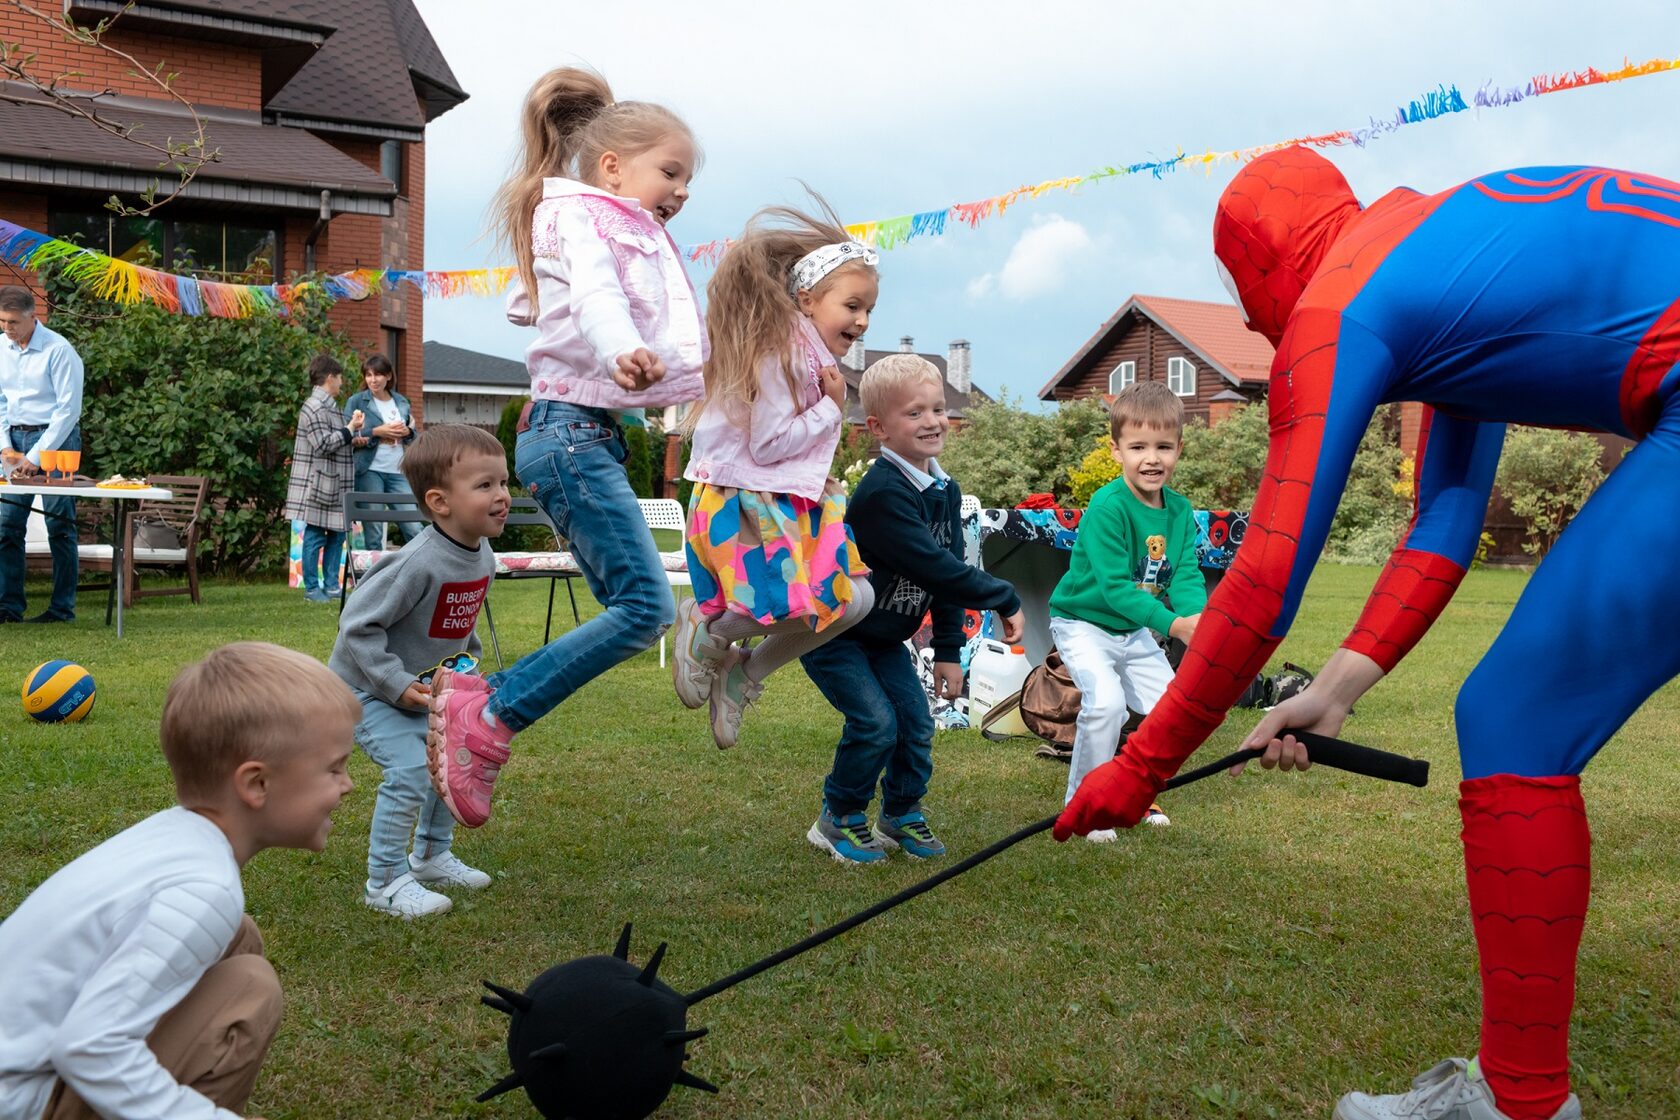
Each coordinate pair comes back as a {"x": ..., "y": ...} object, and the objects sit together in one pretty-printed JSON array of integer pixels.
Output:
[{"x": 667, "y": 513}]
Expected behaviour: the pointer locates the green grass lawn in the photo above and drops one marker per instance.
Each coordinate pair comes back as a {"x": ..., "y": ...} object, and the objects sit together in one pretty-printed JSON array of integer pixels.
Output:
[{"x": 1289, "y": 938}]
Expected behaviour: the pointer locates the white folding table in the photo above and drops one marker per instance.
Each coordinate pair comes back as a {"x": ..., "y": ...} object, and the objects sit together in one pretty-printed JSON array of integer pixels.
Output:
[{"x": 12, "y": 489}]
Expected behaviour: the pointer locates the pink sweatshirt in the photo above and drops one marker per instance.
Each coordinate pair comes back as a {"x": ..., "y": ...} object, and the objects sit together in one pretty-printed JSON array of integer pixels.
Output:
[
  {"x": 609, "y": 281},
  {"x": 789, "y": 443}
]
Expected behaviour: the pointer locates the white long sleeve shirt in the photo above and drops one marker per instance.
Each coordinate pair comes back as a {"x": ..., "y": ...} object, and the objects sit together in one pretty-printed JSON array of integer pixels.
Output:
[
  {"x": 41, "y": 384},
  {"x": 96, "y": 956}
]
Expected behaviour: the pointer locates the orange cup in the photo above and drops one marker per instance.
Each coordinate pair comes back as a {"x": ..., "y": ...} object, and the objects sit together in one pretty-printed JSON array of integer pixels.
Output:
[
  {"x": 49, "y": 462},
  {"x": 69, "y": 462}
]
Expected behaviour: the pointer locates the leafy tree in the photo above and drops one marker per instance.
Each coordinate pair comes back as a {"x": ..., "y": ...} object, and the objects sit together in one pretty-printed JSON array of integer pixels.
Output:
[
  {"x": 638, "y": 460},
  {"x": 1003, "y": 452},
  {"x": 177, "y": 394},
  {"x": 1548, "y": 476}
]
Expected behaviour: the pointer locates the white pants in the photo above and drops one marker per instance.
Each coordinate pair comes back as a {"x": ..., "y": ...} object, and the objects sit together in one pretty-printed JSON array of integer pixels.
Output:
[{"x": 1113, "y": 672}]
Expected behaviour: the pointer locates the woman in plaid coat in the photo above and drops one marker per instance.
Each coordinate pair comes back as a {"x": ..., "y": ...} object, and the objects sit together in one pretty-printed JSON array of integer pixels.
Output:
[{"x": 323, "y": 470}]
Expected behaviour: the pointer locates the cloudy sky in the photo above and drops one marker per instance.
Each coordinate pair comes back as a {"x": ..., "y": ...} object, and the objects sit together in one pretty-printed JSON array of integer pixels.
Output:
[{"x": 889, "y": 109}]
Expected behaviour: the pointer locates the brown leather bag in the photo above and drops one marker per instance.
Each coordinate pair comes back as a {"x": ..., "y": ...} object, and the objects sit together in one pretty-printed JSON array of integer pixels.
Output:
[{"x": 1049, "y": 703}]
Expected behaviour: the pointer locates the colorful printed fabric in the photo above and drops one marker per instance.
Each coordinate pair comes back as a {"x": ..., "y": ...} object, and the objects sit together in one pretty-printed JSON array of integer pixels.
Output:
[
  {"x": 771, "y": 557},
  {"x": 1218, "y": 532}
]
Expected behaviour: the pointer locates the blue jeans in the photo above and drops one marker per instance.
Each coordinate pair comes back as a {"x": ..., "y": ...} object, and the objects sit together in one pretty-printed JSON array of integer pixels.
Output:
[
  {"x": 405, "y": 804},
  {"x": 61, "y": 539},
  {"x": 324, "y": 547},
  {"x": 385, "y": 482},
  {"x": 572, "y": 459},
  {"x": 888, "y": 735}
]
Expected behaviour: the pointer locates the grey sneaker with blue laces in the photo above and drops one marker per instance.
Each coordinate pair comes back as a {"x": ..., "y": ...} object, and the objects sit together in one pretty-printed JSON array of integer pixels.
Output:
[
  {"x": 1449, "y": 1090},
  {"x": 847, "y": 838},
  {"x": 909, "y": 831}
]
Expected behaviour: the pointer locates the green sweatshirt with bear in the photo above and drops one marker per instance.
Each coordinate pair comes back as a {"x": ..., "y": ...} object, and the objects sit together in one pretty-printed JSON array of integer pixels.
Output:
[{"x": 1127, "y": 557}]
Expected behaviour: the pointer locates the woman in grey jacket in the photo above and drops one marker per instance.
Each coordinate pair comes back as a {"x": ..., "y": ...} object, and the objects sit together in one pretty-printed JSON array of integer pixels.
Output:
[
  {"x": 379, "y": 453},
  {"x": 322, "y": 473}
]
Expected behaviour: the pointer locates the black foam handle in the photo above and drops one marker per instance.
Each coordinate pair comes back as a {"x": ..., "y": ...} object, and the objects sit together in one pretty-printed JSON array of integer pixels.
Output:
[{"x": 1355, "y": 759}]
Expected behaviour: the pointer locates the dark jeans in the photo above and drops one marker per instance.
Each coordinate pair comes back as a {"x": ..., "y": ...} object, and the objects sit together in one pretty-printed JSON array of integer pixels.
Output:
[
  {"x": 888, "y": 735},
  {"x": 61, "y": 539},
  {"x": 322, "y": 551}
]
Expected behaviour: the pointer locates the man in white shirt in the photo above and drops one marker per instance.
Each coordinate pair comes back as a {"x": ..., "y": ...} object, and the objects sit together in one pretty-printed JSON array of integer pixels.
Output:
[{"x": 40, "y": 410}]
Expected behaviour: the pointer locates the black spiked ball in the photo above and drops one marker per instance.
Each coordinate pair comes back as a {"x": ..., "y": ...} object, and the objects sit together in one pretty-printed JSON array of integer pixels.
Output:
[{"x": 597, "y": 1038}]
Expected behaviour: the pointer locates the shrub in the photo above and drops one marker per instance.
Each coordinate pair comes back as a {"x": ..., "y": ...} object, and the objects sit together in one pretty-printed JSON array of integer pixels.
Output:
[
  {"x": 638, "y": 459},
  {"x": 177, "y": 394},
  {"x": 1548, "y": 476},
  {"x": 1005, "y": 452},
  {"x": 1221, "y": 466}
]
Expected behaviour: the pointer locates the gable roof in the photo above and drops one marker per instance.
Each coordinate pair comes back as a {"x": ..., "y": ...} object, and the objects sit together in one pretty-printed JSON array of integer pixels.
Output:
[
  {"x": 956, "y": 404},
  {"x": 379, "y": 73},
  {"x": 1214, "y": 332},
  {"x": 458, "y": 366}
]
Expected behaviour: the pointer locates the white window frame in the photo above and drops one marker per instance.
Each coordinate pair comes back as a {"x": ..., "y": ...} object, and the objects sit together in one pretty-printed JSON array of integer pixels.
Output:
[
  {"x": 1125, "y": 373},
  {"x": 1181, "y": 376}
]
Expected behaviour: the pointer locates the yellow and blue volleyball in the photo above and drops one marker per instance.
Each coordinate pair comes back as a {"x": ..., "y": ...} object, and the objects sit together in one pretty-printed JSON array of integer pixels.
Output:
[{"x": 58, "y": 692}]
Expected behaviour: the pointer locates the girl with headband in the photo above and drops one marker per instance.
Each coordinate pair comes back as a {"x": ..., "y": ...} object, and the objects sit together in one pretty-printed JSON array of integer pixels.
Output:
[
  {"x": 768, "y": 548},
  {"x": 617, "y": 328}
]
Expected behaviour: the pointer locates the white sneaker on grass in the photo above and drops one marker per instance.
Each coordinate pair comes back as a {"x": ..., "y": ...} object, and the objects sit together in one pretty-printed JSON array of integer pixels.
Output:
[
  {"x": 1102, "y": 836},
  {"x": 405, "y": 898},
  {"x": 446, "y": 869},
  {"x": 1449, "y": 1090}
]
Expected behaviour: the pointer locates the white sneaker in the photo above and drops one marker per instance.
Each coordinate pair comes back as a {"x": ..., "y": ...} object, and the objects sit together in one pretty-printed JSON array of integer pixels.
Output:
[
  {"x": 695, "y": 655},
  {"x": 1102, "y": 836},
  {"x": 1449, "y": 1090},
  {"x": 406, "y": 899},
  {"x": 1156, "y": 817},
  {"x": 732, "y": 693},
  {"x": 447, "y": 870}
]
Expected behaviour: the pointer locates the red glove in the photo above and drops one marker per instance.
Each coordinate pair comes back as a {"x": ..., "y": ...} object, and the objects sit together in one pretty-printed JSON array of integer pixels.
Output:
[{"x": 1114, "y": 795}]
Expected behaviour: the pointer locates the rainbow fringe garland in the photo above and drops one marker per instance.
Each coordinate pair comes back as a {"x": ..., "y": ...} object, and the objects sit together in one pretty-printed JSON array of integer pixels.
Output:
[
  {"x": 124, "y": 282},
  {"x": 889, "y": 233}
]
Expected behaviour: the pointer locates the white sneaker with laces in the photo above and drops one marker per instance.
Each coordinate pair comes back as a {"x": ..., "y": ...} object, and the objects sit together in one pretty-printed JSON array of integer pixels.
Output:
[
  {"x": 447, "y": 870},
  {"x": 1102, "y": 836},
  {"x": 732, "y": 693},
  {"x": 695, "y": 655},
  {"x": 406, "y": 898},
  {"x": 1449, "y": 1090}
]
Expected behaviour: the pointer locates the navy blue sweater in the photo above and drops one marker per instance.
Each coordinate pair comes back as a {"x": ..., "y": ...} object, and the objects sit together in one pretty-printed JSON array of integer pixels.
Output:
[{"x": 912, "y": 541}]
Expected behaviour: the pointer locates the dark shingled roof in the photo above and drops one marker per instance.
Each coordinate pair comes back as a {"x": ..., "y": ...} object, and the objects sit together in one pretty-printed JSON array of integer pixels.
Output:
[
  {"x": 956, "y": 404},
  {"x": 250, "y": 155},
  {"x": 367, "y": 72},
  {"x": 445, "y": 363}
]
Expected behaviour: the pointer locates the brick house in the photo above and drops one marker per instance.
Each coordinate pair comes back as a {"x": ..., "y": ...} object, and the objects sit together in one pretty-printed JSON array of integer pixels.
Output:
[
  {"x": 954, "y": 366},
  {"x": 317, "y": 108},
  {"x": 1202, "y": 350}
]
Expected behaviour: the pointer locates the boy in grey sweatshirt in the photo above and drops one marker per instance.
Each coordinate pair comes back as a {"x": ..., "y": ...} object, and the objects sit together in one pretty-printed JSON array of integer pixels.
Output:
[{"x": 416, "y": 610}]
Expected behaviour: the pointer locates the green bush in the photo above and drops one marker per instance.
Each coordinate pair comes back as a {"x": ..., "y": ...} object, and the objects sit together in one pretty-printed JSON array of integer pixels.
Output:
[
  {"x": 1548, "y": 476},
  {"x": 1221, "y": 466},
  {"x": 638, "y": 460},
  {"x": 1005, "y": 452},
  {"x": 1377, "y": 500},
  {"x": 507, "y": 430},
  {"x": 178, "y": 394}
]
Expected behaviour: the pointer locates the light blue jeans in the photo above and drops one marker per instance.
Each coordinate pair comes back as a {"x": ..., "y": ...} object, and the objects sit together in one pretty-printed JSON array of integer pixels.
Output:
[
  {"x": 405, "y": 803},
  {"x": 572, "y": 459},
  {"x": 385, "y": 482}
]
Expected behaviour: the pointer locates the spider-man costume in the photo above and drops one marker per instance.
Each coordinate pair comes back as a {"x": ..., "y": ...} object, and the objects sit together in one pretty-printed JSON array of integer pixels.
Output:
[{"x": 1545, "y": 296}]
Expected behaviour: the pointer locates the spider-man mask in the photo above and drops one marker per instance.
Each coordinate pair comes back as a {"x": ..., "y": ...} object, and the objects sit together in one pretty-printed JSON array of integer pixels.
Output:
[{"x": 1275, "y": 222}]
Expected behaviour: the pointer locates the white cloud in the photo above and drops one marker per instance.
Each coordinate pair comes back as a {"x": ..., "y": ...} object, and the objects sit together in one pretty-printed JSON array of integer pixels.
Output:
[{"x": 1039, "y": 262}]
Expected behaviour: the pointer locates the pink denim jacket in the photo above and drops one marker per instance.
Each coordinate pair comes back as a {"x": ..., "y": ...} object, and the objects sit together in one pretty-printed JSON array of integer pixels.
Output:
[
  {"x": 788, "y": 444},
  {"x": 609, "y": 280}
]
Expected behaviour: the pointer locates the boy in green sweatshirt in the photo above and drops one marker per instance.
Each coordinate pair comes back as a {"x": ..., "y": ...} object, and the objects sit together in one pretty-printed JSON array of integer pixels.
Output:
[{"x": 1133, "y": 570}]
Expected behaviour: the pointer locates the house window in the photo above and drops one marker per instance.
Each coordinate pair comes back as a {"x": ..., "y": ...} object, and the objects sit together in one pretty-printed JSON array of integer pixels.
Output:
[
  {"x": 213, "y": 249},
  {"x": 1181, "y": 376},
  {"x": 391, "y": 164},
  {"x": 1124, "y": 374},
  {"x": 393, "y": 353}
]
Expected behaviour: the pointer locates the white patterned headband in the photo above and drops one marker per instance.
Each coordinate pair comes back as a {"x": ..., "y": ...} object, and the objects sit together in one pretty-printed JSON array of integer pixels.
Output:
[{"x": 813, "y": 266}]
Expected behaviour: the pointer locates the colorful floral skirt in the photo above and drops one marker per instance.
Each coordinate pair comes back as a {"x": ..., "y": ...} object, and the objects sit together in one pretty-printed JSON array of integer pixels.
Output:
[{"x": 771, "y": 557}]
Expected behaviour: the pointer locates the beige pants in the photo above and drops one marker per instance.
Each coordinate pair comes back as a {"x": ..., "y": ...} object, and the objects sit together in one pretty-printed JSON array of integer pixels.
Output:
[{"x": 215, "y": 1039}]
